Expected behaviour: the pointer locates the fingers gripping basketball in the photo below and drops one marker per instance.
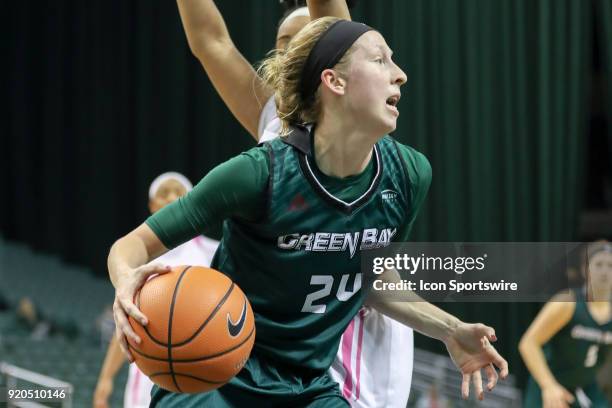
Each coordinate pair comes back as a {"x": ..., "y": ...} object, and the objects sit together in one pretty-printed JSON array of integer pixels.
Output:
[{"x": 201, "y": 329}]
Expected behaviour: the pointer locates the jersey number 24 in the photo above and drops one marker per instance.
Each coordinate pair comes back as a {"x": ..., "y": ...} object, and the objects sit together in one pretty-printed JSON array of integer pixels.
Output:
[{"x": 327, "y": 281}]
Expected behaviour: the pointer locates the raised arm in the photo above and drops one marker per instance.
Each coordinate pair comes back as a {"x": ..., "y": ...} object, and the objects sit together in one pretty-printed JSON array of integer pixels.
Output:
[
  {"x": 467, "y": 344},
  {"x": 323, "y": 8},
  {"x": 230, "y": 73},
  {"x": 552, "y": 318}
]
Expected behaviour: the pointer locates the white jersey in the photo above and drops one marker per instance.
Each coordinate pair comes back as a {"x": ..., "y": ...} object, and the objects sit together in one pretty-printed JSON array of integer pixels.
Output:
[
  {"x": 373, "y": 365},
  {"x": 269, "y": 124},
  {"x": 198, "y": 251},
  {"x": 374, "y": 361}
]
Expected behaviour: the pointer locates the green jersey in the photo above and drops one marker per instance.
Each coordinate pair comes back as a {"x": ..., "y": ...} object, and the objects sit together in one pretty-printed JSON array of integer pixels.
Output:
[
  {"x": 575, "y": 353},
  {"x": 574, "y": 356},
  {"x": 293, "y": 243}
]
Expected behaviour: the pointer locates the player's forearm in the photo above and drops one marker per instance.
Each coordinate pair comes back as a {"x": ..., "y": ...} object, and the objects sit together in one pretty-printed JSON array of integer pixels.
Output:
[
  {"x": 414, "y": 312},
  {"x": 322, "y": 8},
  {"x": 534, "y": 359},
  {"x": 127, "y": 253},
  {"x": 204, "y": 26}
]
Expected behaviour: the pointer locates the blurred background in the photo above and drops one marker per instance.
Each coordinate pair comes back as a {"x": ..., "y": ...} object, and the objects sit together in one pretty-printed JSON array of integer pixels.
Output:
[{"x": 511, "y": 101}]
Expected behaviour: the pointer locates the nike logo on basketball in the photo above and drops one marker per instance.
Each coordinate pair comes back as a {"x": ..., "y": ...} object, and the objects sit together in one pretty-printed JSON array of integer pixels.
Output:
[{"x": 235, "y": 328}]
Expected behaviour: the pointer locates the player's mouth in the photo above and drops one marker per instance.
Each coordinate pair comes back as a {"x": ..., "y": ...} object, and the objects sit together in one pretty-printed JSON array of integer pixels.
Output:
[{"x": 392, "y": 103}]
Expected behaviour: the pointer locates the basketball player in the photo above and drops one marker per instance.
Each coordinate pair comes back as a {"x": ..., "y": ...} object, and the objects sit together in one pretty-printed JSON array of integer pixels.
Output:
[
  {"x": 363, "y": 374},
  {"x": 165, "y": 189},
  {"x": 576, "y": 332},
  {"x": 298, "y": 211}
]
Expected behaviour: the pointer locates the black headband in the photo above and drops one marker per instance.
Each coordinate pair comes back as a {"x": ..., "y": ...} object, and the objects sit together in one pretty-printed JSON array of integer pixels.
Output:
[{"x": 327, "y": 51}]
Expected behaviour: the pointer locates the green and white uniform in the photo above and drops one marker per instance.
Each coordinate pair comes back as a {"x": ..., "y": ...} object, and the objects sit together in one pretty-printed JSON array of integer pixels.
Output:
[
  {"x": 292, "y": 241},
  {"x": 574, "y": 355}
]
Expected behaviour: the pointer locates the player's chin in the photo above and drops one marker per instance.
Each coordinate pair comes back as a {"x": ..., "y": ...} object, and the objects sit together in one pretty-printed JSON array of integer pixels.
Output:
[{"x": 389, "y": 124}]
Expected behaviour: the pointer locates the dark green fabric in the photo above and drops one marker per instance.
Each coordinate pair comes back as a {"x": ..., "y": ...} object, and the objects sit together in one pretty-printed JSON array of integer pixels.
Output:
[
  {"x": 579, "y": 349},
  {"x": 261, "y": 384},
  {"x": 299, "y": 263},
  {"x": 603, "y": 10},
  {"x": 237, "y": 189},
  {"x": 297, "y": 338}
]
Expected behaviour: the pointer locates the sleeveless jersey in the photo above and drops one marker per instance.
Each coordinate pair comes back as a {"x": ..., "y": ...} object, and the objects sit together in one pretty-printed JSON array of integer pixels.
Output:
[
  {"x": 366, "y": 380},
  {"x": 577, "y": 351},
  {"x": 304, "y": 254}
]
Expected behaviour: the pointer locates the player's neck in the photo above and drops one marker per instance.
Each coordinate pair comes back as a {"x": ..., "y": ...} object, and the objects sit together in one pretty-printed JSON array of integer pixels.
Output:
[
  {"x": 341, "y": 151},
  {"x": 599, "y": 296}
]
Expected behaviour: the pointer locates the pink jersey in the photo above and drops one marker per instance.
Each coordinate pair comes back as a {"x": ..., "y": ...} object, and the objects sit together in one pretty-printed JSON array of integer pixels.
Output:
[{"x": 374, "y": 361}]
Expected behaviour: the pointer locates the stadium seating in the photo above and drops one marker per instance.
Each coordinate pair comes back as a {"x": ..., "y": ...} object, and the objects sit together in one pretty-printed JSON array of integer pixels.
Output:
[{"x": 72, "y": 300}]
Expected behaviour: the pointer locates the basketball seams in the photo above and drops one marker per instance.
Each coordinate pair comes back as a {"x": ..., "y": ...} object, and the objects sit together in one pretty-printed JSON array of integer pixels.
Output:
[
  {"x": 213, "y": 313},
  {"x": 189, "y": 376},
  {"x": 210, "y": 317},
  {"x": 181, "y": 295},
  {"x": 170, "y": 318},
  {"x": 204, "y": 358}
]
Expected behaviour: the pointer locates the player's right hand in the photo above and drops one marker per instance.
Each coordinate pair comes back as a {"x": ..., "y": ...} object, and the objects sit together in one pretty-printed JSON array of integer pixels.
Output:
[
  {"x": 556, "y": 396},
  {"x": 128, "y": 283},
  {"x": 104, "y": 389}
]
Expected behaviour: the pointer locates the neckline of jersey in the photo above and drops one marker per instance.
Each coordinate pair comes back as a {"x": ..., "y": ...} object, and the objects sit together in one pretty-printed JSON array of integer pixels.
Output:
[{"x": 301, "y": 139}]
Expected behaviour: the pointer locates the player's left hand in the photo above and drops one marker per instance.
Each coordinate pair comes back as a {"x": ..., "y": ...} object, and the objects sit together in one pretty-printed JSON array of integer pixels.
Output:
[{"x": 470, "y": 348}]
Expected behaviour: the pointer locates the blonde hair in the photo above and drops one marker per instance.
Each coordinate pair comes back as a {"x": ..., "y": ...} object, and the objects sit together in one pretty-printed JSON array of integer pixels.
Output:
[{"x": 282, "y": 71}]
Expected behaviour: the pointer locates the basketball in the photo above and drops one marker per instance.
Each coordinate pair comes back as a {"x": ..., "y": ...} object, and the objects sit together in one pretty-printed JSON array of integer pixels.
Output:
[{"x": 200, "y": 332}]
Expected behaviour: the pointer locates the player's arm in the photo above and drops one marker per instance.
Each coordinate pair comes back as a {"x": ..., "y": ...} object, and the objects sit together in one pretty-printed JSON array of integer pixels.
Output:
[
  {"x": 413, "y": 311},
  {"x": 468, "y": 344},
  {"x": 230, "y": 73},
  {"x": 323, "y": 8},
  {"x": 233, "y": 189},
  {"x": 128, "y": 271},
  {"x": 112, "y": 363},
  {"x": 553, "y": 317}
]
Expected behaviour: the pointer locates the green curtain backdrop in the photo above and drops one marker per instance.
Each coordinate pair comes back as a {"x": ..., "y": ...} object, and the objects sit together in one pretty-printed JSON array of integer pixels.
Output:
[
  {"x": 604, "y": 12},
  {"x": 497, "y": 99},
  {"x": 104, "y": 95}
]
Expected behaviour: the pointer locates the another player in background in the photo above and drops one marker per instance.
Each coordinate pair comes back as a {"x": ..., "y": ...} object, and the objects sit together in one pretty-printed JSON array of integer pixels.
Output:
[
  {"x": 164, "y": 190},
  {"x": 568, "y": 340},
  {"x": 367, "y": 366},
  {"x": 346, "y": 83}
]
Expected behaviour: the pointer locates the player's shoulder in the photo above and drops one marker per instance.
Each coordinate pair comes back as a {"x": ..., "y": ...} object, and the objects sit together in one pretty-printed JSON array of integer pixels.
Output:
[
  {"x": 259, "y": 155},
  {"x": 416, "y": 163},
  {"x": 413, "y": 156},
  {"x": 564, "y": 296},
  {"x": 562, "y": 305}
]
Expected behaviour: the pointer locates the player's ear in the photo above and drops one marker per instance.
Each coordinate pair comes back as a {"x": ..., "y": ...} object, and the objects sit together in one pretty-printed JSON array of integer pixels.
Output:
[{"x": 333, "y": 81}]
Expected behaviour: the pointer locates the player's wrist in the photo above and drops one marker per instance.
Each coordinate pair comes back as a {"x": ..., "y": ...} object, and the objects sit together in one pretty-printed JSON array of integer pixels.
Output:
[
  {"x": 452, "y": 325},
  {"x": 549, "y": 385}
]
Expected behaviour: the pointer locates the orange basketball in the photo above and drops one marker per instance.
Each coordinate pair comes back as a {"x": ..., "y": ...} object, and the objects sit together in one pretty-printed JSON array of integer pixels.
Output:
[{"x": 200, "y": 333}]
